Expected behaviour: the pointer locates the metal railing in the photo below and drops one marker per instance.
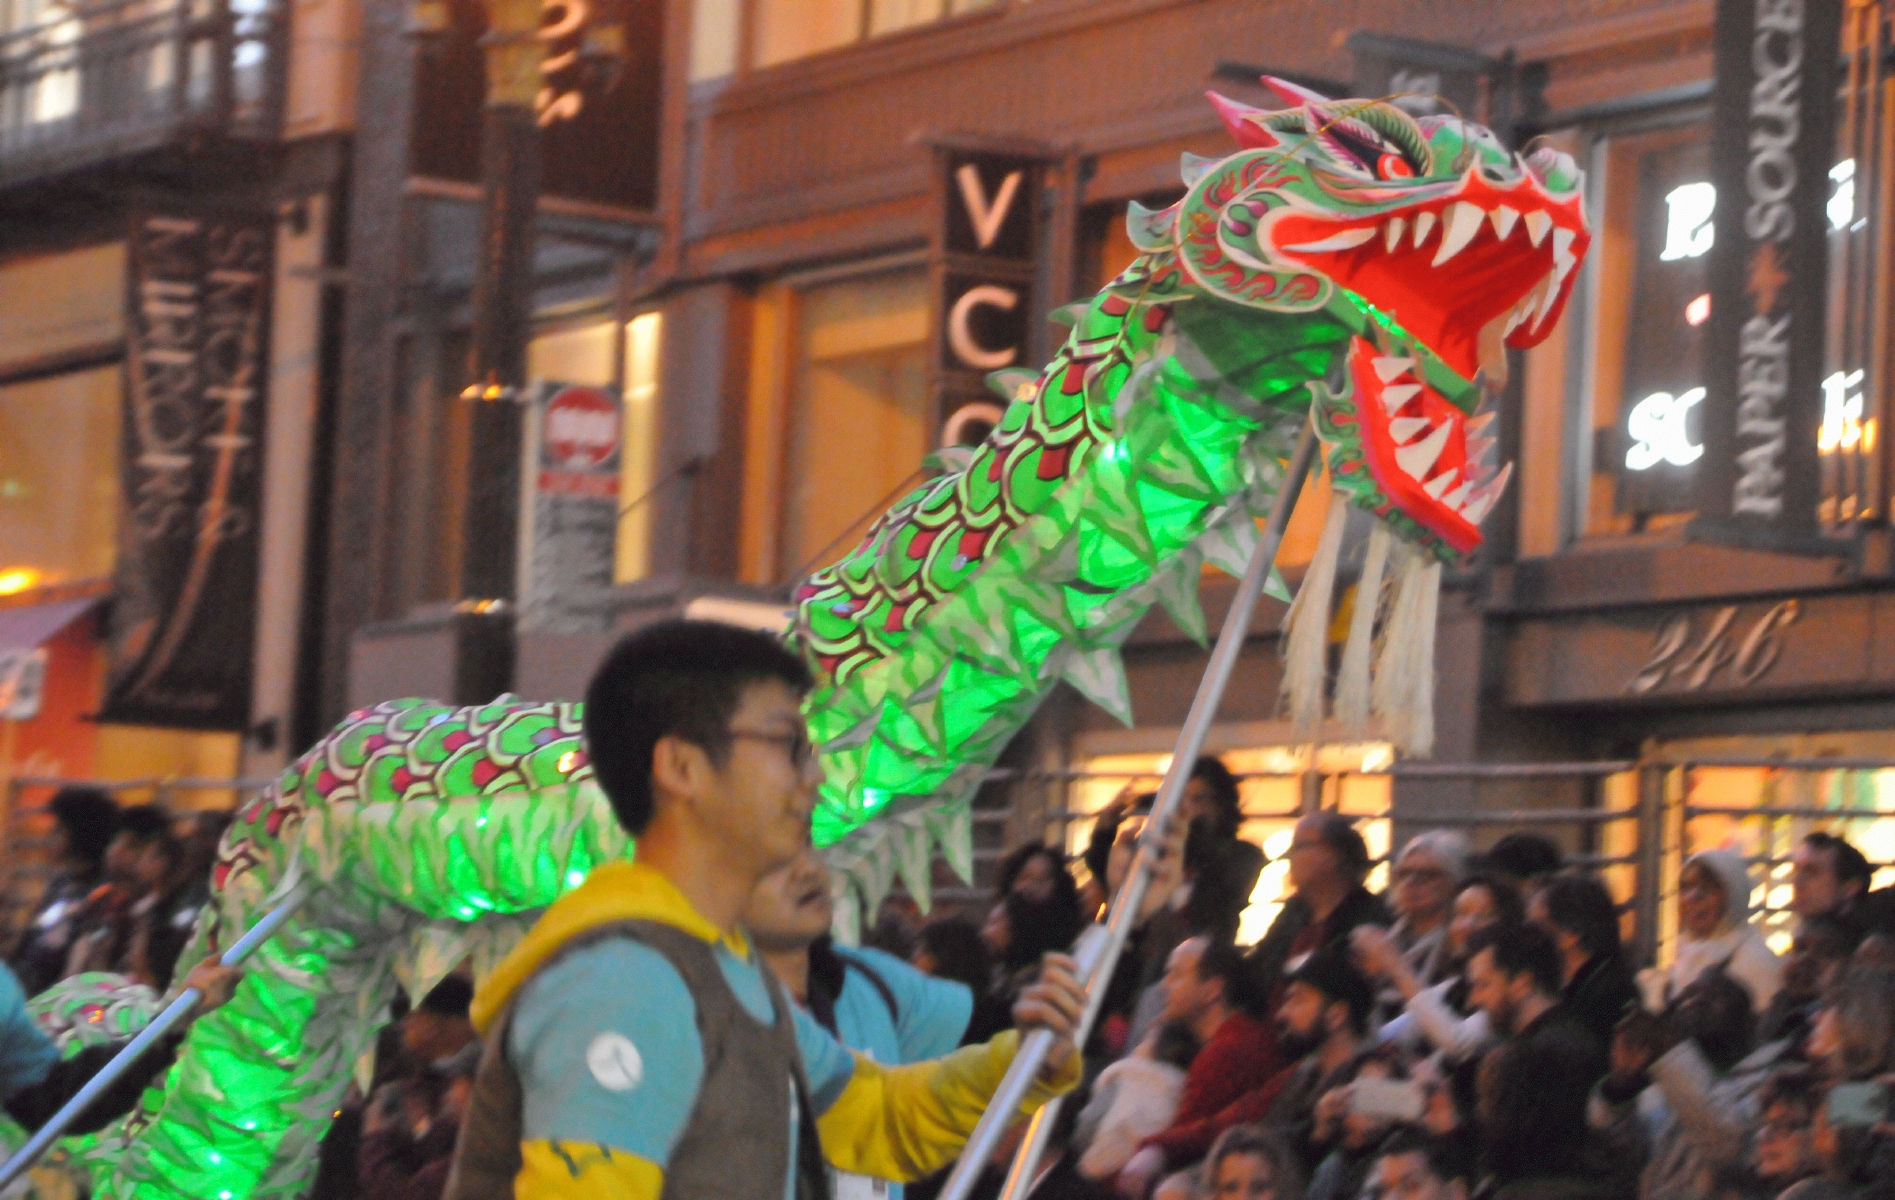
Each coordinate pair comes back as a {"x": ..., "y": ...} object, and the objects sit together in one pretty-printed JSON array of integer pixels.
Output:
[{"x": 92, "y": 81}]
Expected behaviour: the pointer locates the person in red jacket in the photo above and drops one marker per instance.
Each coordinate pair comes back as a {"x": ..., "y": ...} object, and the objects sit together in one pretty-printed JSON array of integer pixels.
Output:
[{"x": 1238, "y": 1052}]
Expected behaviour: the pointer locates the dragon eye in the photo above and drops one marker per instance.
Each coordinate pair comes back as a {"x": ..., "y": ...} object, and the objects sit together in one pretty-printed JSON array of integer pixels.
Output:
[{"x": 1393, "y": 166}]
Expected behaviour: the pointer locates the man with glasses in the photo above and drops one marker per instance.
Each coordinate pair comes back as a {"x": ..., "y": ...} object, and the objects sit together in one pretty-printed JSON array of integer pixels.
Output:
[
  {"x": 1328, "y": 862},
  {"x": 635, "y": 1046}
]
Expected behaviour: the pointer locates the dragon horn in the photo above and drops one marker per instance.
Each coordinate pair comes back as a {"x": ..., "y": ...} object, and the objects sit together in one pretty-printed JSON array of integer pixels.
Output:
[
  {"x": 1293, "y": 94},
  {"x": 1244, "y": 122}
]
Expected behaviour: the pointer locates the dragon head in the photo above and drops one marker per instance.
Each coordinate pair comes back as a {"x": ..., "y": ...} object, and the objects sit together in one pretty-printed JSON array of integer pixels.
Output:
[{"x": 1436, "y": 244}]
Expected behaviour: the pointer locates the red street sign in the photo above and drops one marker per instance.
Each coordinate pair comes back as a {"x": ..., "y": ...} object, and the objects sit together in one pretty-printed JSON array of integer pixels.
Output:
[{"x": 581, "y": 430}]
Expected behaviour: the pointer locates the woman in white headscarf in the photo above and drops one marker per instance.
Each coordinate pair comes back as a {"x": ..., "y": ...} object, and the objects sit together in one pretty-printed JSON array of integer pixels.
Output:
[{"x": 1714, "y": 929}]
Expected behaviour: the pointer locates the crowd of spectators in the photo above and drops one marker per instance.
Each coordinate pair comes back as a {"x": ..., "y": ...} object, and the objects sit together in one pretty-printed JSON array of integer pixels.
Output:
[{"x": 1477, "y": 1030}]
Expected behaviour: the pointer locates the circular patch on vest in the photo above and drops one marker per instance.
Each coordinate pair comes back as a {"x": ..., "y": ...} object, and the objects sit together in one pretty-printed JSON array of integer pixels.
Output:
[{"x": 615, "y": 1062}]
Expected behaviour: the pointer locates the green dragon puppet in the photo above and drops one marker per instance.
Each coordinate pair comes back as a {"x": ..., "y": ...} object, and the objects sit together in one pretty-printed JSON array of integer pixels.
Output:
[{"x": 1350, "y": 265}]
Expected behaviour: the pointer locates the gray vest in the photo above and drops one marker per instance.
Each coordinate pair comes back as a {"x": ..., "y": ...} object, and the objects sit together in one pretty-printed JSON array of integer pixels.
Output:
[{"x": 735, "y": 1145}]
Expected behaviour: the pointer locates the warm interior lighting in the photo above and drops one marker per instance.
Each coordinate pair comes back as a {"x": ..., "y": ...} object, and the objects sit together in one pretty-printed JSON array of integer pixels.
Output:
[{"x": 14, "y": 580}]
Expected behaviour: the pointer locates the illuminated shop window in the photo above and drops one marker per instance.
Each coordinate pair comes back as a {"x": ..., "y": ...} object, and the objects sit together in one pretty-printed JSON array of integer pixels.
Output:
[
  {"x": 1270, "y": 806},
  {"x": 1650, "y": 315},
  {"x": 643, "y": 336},
  {"x": 860, "y": 417},
  {"x": 781, "y": 31},
  {"x": 59, "y": 484}
]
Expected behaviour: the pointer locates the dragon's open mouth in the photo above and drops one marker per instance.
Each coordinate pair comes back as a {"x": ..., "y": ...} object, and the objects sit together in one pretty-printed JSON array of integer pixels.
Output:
[{"x": 1464, "y": 271}]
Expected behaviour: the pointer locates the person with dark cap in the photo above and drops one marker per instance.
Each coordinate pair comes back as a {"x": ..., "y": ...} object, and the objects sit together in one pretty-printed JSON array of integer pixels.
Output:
[
  {"x": 1328, "y": 862},
  {"x": 1322, "y": 1023},
  {"x": 85, "y": 820},
  {"x": 1526, "y": 860}
]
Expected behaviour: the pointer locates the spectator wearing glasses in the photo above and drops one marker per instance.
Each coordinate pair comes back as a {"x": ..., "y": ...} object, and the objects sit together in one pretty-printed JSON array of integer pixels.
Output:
[
  {"x": 1443, "y": 1014},
  {"x": 1424, "y": 884},
  {"x": 1328, "y": 862}
]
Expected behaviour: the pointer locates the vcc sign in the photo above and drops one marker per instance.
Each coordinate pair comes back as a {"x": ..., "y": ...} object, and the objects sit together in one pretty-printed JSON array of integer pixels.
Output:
[{"x": 986, "y": 249}]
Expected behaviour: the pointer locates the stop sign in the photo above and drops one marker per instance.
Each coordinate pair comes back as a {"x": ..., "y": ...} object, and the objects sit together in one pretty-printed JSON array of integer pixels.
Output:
[{"x": 582, "y": 428}]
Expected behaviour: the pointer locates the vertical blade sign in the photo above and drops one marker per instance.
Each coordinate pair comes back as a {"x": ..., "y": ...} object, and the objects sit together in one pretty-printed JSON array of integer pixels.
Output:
[
  {"x": 1772, "y": 142},
  {"x": 183, "y": 620}
]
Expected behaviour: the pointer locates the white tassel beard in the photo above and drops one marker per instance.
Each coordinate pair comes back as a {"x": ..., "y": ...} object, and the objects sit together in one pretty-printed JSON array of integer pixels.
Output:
[
  {"x": 1306, "y": 628},
  {"x": 1403, "y": 690},
  {"x": 1352, "y": 679}
]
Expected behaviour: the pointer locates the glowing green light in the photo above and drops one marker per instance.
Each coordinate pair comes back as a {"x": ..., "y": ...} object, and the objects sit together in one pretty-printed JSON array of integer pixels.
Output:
[
  {"x": 575, "y": 878},
  {"x": 480, "y": 822}
]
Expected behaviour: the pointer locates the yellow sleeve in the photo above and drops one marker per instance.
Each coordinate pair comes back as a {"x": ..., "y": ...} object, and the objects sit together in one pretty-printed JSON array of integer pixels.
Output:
[
  {"x": 907, "y": 1122},
  {"x": 581, "y": 1171}
]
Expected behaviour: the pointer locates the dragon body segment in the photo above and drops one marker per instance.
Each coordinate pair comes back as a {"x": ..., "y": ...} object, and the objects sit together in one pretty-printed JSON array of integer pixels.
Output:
[{"x": 1349, "y": 266}]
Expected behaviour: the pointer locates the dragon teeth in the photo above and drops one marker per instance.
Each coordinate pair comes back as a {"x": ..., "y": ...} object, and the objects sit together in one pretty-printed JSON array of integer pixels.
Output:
[
  {"x": 1424, "y": 225},
  {"x": 1348, "y": 239},
  {"x": 1503, "y": 218},
  {"x": 1407, "y": 429},
  {"x": 1537, "y": 225},
  {"x": 1546, "y": 306},
  {"x": 1439, "y": 484},
  {"x": 1418, "y": 458},
  {"x": 1463, "y": 222},
  {"x": 1392, "y": 234},
  {"x": 1458, "y": 496},
  {"x": 1394, "y": 397},
  {"x": 1388, "y": 367}
]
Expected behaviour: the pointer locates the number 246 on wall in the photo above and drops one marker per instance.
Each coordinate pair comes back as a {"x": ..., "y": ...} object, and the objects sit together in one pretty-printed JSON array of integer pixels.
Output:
[{"x": 1681, "y": 656}]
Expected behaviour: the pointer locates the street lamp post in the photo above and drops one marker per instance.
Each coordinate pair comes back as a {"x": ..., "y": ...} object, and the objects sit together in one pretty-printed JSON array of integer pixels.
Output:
[{"x": 503, "y": 296}]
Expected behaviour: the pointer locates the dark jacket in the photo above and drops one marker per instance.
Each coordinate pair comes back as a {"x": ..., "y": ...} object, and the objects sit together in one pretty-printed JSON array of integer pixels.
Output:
[
  {"x": 1266, "y": 959},
  {"x": 1599, "y": 996}
]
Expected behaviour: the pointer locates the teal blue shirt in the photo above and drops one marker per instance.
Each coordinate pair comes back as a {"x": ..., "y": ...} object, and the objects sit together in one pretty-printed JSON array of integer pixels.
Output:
[{"x": 606, "y": 1046}]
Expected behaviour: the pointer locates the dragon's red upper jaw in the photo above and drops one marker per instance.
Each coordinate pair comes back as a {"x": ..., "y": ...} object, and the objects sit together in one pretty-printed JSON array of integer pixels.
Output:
[{"x": 1462, "y": 271}]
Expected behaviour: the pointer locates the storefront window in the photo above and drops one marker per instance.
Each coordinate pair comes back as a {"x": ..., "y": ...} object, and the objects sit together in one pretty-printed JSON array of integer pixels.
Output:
[
  {"x": 860, "y": 412},
  {"x": 1353, "y": 785},
  {"x": 1649, "y": 316},
  {"x": 59, "y": 485},
  {"x": 1652, "y": 304},
  {"x": 785, "y": 30},
  {"x": 642, "y": 341}
]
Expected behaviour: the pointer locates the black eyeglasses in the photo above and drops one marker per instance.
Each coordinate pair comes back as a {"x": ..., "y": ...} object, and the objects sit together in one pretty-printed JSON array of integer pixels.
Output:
[{"x": 796, "y": 745}]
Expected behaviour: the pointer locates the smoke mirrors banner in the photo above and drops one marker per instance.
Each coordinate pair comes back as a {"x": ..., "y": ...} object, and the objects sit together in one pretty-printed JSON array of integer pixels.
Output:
[
  {"x": 184, "y": 606},
  {"x": 1772, "y": 143}
]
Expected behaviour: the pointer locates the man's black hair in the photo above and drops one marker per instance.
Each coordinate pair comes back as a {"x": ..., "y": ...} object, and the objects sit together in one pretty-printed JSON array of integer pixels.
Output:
[
  {"x": 146, "y": 822},
  {"x": 1580, "y": 905},
  {"x": 1336, "y": 976},
  {"x": 1444, "y": 1161},
  {"x": 1524, "y": 856},
  {"x": 1851, "y": 866},
  {"x": 1518, "y": 948},
  {"x": 452, "y": 997},
  {"x": 1223, "y": 961},
  {"x": 90, "y": 821},
  {"x": 1223, "y": 788},
  {"x": 680, "y": 679},
  {"x": 1339, "y": 834},
  {"x": 958, "y": 952}
]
